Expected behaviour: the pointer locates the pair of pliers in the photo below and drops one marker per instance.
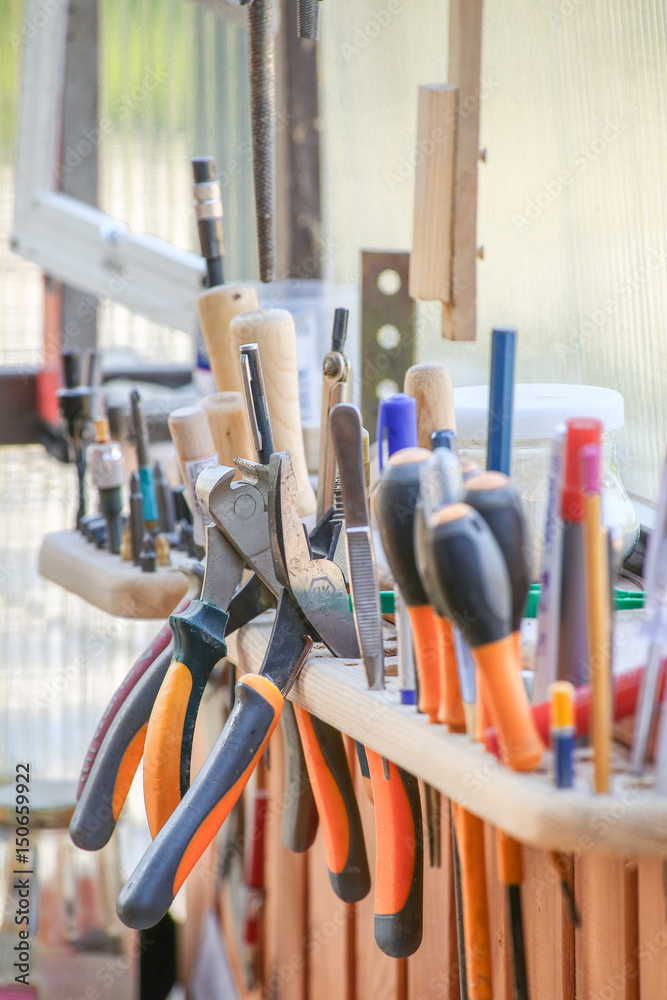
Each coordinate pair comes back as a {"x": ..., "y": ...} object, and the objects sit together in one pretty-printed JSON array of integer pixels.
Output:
[
  {"x": 118, "y": 745},
  {"x": 259, "y": 703}
]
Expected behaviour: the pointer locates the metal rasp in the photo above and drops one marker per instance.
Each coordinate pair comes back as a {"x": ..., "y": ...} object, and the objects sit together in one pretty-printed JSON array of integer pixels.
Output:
[
  {"x": 263, "y": 123},
  {"x": 308, "y": 19},
  {"x": 345, "y": 429}
]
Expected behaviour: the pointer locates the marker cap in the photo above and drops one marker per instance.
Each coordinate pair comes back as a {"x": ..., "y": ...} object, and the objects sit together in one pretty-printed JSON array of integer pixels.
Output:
[
  {"x": 561, "y": 695},
  {"x": 580, "y": 431}
]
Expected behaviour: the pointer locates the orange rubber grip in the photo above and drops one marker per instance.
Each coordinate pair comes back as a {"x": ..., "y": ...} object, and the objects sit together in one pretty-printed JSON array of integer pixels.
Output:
[
  {"x": 162, "y": 753},
  {"x": 330, "y": 805},
  {"x": 333, "y": 790},
  {"x": 470, "y": 843},
  {"x": 127, "y": 770},
  {"x": 399, "y": 874},
  {"x": 150, "y": 890},
  {"x": 205, "y": 833},
  {"x": 510, "y": 858},
  {"x": 426, "y": 639},
  {"x": 520, "y": 743},
  {"x": 483, "y": 715},
  {"x": 450, "y": 710}
]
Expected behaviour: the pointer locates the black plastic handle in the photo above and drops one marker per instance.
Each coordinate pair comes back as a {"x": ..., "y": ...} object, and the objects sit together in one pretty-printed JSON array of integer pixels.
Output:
[
  {"x": 117, "y": 760},
  {"x": 199, "y": 643},
  {"x": 300, "y": 820}
]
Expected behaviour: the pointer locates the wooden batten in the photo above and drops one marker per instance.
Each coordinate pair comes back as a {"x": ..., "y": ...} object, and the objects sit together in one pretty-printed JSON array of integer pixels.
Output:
[{"x": 430, "y": 260}]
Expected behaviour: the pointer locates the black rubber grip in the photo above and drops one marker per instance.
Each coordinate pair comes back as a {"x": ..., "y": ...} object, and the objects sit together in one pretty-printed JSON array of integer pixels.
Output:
[
  {"x": 93, "y": 821},
  {"x": 199, "y": 643},
  {"x": 299, "y": 822}
]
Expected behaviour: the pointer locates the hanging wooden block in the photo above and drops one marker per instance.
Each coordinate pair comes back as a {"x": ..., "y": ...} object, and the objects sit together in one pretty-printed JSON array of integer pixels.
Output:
[
  {"x": 459, "y": 314},
  {"x": 430, "y": 260}
]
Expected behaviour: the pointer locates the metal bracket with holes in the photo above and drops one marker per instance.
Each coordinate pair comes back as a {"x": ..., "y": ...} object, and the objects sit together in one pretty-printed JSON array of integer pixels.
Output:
[{"x": 387, "y": 329}]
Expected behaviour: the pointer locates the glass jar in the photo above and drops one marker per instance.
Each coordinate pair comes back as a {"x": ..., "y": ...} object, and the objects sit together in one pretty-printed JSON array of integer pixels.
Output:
[{"x": 538, "y": 409}]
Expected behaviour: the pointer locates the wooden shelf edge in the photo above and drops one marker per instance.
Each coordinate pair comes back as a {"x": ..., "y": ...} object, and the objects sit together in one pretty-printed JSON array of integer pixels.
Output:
[
  {"x": 631, "y": 820},
  {"x": 106, "y": 581}
]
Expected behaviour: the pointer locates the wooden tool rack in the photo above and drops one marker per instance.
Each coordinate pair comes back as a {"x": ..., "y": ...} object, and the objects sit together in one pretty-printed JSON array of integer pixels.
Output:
[{"x": 610, "y": 847}]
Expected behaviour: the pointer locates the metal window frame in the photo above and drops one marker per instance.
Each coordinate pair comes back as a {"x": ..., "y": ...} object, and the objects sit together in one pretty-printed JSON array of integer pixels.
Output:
[{"x": 70, "y": 240}]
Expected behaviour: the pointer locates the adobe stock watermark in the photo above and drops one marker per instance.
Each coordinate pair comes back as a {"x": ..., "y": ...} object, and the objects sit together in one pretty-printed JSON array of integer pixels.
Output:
[
  {"x": 372, "y": 28},
  {"x": 38, "y": 20},
  {"x": 578, "y": 161},
  {"x": 426, "y": 147},
  {"x": 91, "y": 138}
]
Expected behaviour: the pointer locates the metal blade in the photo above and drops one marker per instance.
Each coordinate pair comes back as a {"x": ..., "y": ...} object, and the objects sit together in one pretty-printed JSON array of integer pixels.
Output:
[
  {"x": 366, "y": 601},
  {"x": 224, "y": 569}
]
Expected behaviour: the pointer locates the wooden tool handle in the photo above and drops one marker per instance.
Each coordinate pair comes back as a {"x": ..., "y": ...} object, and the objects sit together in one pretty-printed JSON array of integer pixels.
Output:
[
  {"x": 274, "y": 333},
  {"x": 228, "y": 422},
  {"x": 217, "y": 307},
  {"x": 195, "y": 450},
  {"x": 431, "y": 386}
]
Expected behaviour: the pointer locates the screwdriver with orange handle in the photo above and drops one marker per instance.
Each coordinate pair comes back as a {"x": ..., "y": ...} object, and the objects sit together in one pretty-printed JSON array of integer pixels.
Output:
[
  {"x": 396, "y": 506},
  {"x": 493, "y": 495},
  {"x": 438, "y": 489},
  {"x": 473, "y": 573},
  {"x": 440, "y": 484}
]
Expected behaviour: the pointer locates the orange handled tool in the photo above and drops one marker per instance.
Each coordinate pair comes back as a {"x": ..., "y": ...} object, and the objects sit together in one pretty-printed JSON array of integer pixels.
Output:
[
  {"x": 440, "y": 484},
  {"x": 494, "y": 497},
  {"x": 150, "y": 890},
  {"x": 510, "y": 866},
  {"x": 470, "y": 843},
  {"x": 337, "y": 808},
  {"x": 398, "y": 818},
  {"x": 199, "y": 643},
  {"x": 399, "y": 874},
  {"x": 396, "y": 505},
  {"x": 473, "y": 577}
]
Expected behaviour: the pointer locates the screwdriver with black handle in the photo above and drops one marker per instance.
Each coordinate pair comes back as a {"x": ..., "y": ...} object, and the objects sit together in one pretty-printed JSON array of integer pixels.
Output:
[
  {"x": 493, "y": 495},
  {"x": 472, "y": 573},
  {"x": 396, "y": 505},
  {"x": 399, "y": 879}
]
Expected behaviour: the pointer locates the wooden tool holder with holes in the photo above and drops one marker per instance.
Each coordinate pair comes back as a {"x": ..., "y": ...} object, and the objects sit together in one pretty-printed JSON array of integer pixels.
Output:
[{"x": 608, "y": 848}]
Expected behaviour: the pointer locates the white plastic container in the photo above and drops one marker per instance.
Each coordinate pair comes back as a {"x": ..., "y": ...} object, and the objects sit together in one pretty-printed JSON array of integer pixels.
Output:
[{"x": 538, "y": 408}]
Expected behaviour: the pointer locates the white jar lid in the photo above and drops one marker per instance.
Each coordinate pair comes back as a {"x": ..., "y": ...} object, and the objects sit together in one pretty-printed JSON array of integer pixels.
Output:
[{"x": 538, "y": 408}]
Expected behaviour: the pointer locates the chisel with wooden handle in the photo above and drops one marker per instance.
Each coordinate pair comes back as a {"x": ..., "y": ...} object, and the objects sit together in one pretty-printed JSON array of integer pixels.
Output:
[
  {"x": 216, "y": 308},
  {"x": 275, "y": 335}
]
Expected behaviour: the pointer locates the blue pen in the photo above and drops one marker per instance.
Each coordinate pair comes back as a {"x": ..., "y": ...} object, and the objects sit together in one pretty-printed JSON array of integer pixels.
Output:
[
  {"x": 398, "y": 417},
  {"x": 501, "y": 396}
]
